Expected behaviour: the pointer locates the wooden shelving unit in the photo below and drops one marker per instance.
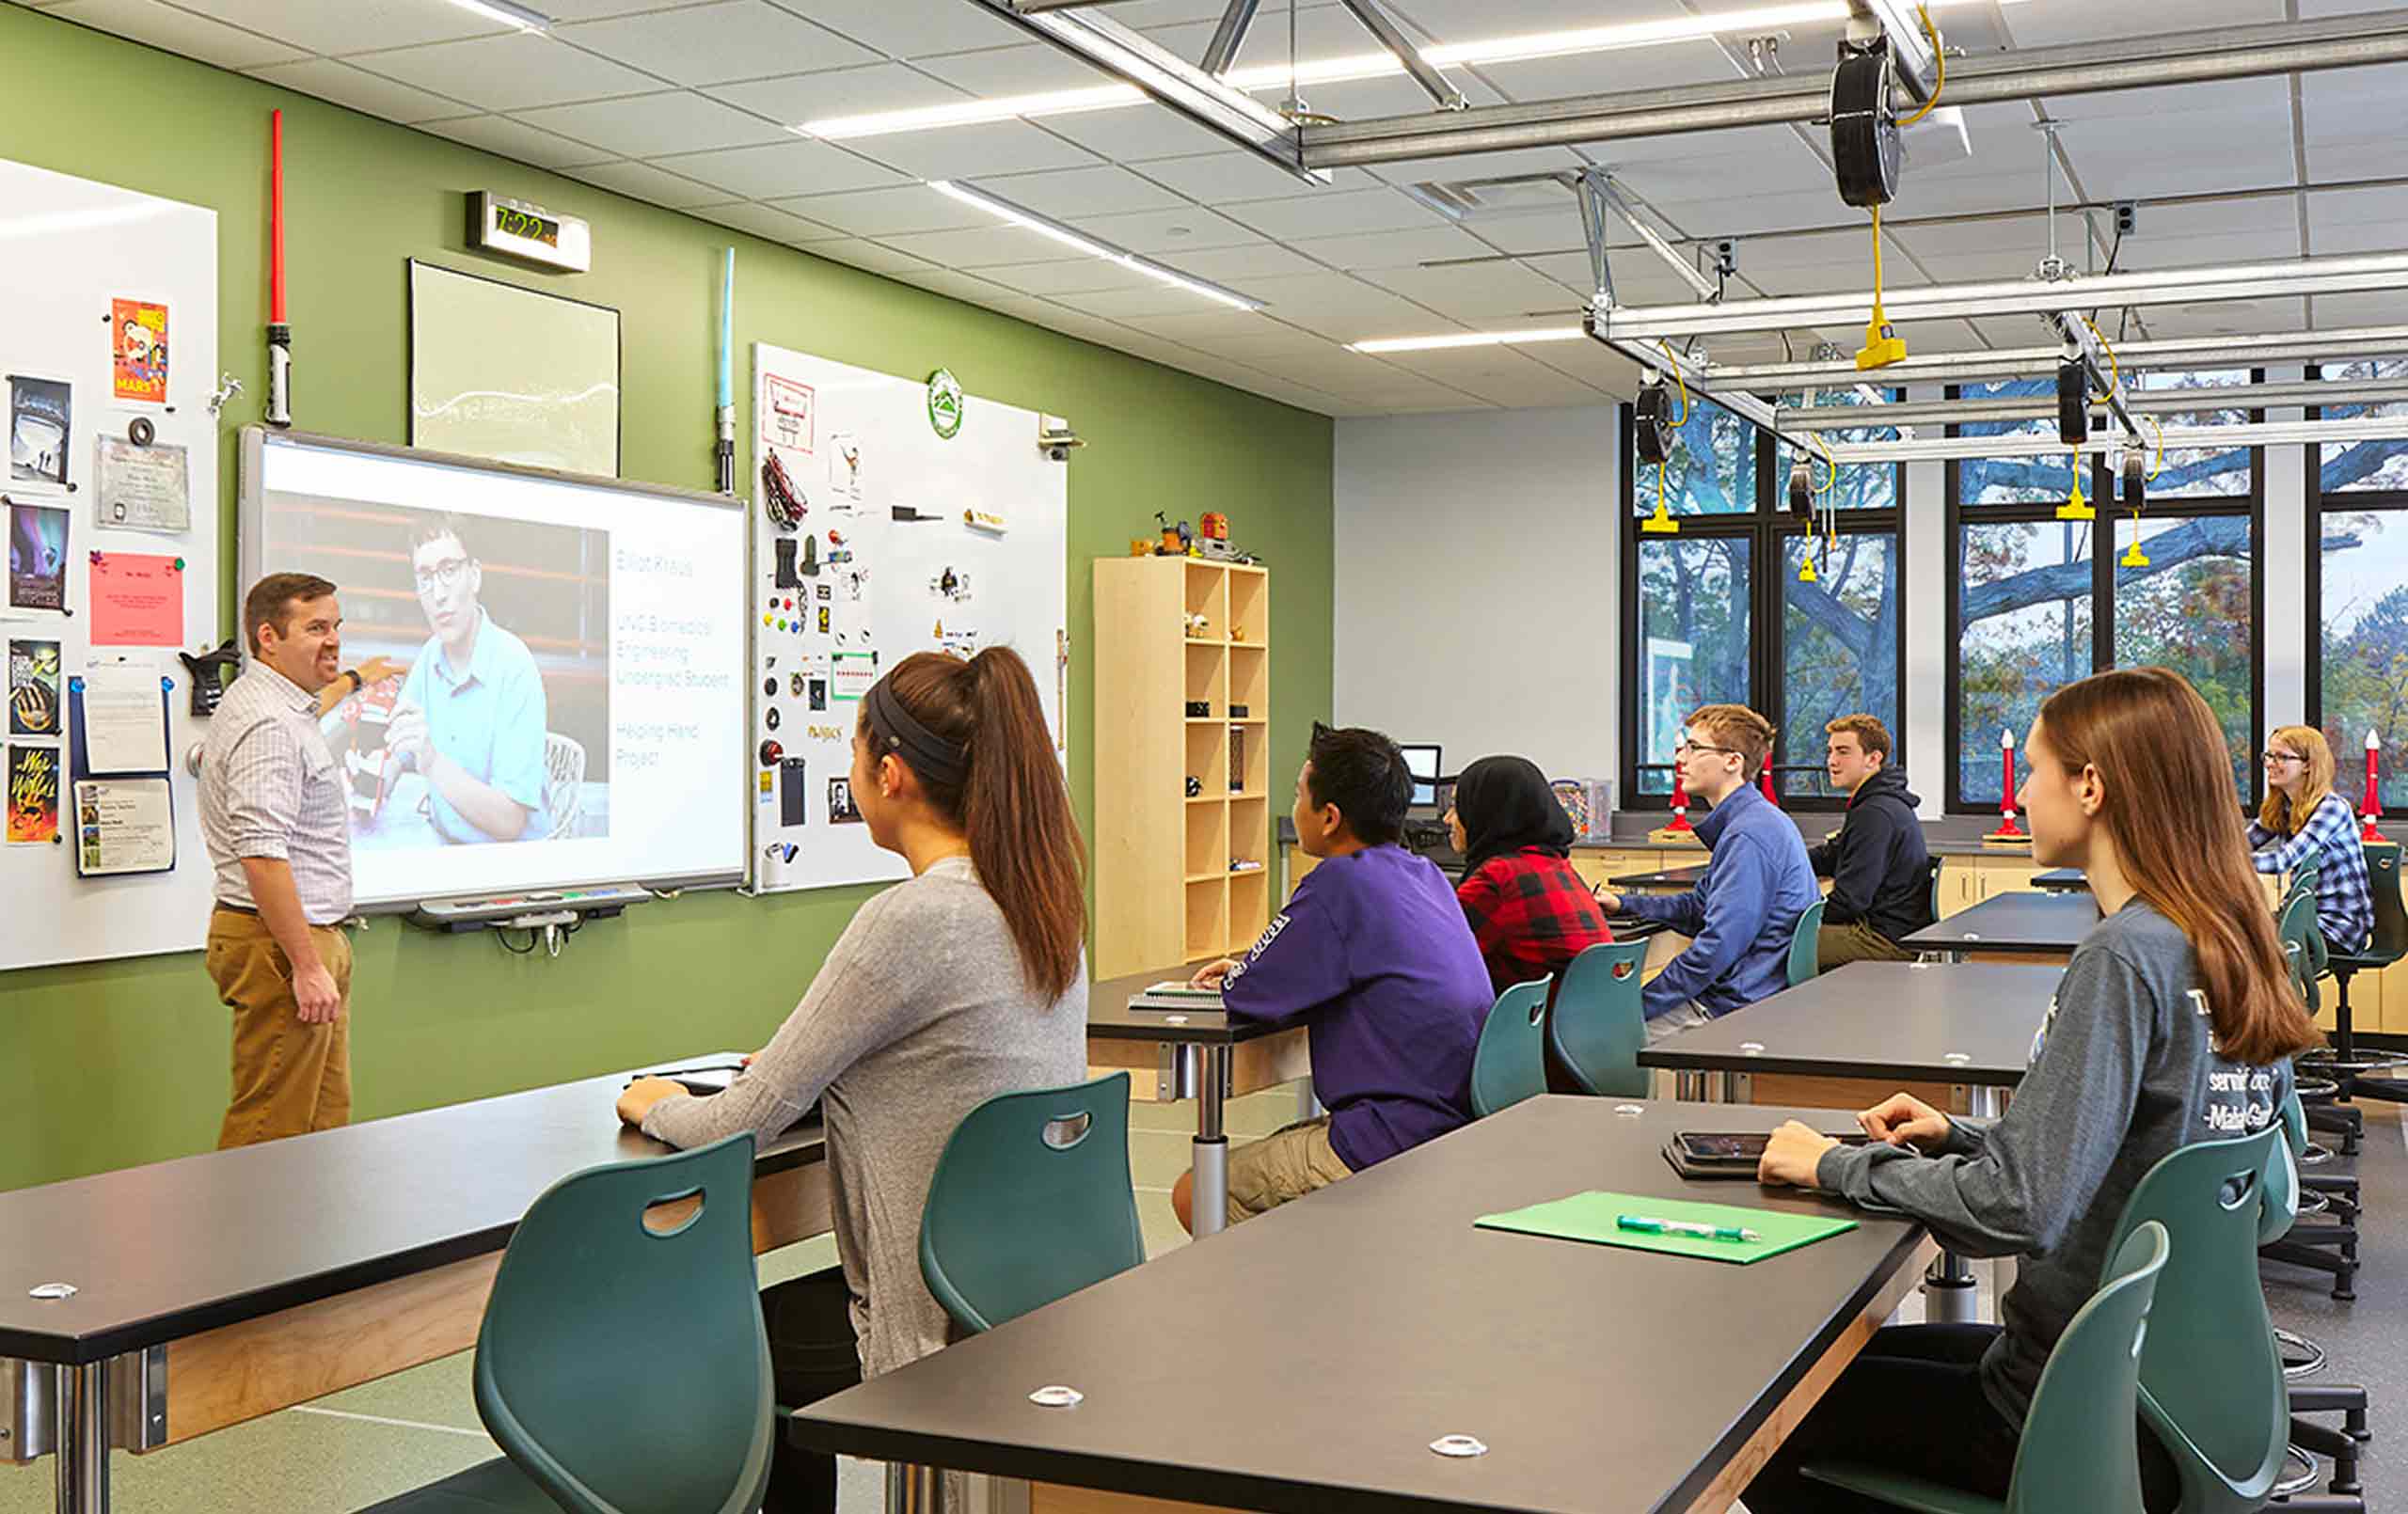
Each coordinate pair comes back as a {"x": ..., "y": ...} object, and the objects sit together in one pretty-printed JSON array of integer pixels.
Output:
[{"x": 1164, "y": 884}]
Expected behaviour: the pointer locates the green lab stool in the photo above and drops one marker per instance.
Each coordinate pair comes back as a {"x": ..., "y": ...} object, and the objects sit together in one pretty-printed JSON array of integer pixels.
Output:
[
  {"x": 1931, "y": 889},
  {"x": 1510, "y": 1062},
  {"x": 2080, "y": 1448},
  {"x": 623, "y": 1370},
  {"x": 2387, "y": 944},
  {"x": 2302, "y": 943},
  {"x": 1031, "y": 1202},
  {"x": 2211, "y": 1375},
  {"x": 1805, "y": 960},
  {"x": 1598, "y": 1025}
]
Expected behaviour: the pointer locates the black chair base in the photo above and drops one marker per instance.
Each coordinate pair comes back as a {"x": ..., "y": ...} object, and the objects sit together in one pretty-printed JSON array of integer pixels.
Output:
[{"x": 2329, "y": 1249}]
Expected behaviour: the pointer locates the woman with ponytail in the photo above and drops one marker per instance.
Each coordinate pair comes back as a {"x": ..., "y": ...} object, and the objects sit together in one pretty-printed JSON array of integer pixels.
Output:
[
  {"x": 966, "y": 981},
  {"x": 2175, "y": 1022}
]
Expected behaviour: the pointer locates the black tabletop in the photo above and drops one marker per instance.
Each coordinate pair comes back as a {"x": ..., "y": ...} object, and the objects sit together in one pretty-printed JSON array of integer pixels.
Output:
[
  {"x": 2045, "y": 923},
  {"x": 1110, "y": 1018},
  {"x": 1305, "y": 1360},
  {"x": 1967, "y": 1022},
  {"x": 2061, "y": 880},
  {"x": 168, "y": 1251},
  {"x": 1670, "y": 878}
]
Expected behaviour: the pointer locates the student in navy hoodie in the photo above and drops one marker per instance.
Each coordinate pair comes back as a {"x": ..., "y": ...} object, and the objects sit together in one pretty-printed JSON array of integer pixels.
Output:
[
  {"x": 1880, "y": 868},
  {"x": 1758, "y": 882},
  {"x": 1373, "y": 953}
]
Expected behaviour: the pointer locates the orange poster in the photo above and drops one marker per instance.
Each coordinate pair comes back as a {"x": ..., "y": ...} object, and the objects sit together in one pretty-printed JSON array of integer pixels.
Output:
[{"x": 138, "y": 339}]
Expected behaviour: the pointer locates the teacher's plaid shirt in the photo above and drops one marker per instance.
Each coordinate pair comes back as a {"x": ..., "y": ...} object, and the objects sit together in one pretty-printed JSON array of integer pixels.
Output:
[
  {"x": 271, "y": 788},
  {"x": 2344, "y": 901}
]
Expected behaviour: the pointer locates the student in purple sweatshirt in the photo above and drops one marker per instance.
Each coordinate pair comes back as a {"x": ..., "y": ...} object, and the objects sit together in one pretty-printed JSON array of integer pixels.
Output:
[{"x": 1373, "y": 955}]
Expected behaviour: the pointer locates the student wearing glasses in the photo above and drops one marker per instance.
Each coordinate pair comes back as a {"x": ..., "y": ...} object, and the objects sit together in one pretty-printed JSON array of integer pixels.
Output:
[
  {"x": 2303, "y": 821},
  {"x": 1758, "y": 883}
]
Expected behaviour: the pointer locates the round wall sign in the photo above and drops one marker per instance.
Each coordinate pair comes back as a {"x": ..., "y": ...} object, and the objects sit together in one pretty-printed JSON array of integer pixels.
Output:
[{"x": 945, "y": 403}]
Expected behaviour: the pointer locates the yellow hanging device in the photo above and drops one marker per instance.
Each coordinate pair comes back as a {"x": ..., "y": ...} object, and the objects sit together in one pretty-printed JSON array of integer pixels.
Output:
[
  {"x": 1828, "y": 538},
  {"x": 1882, "y": 343},
  {"x": 2134, "y": 483},
  {"x": 1661, "y": 523},
  {"x": 2075, "y": 507}
]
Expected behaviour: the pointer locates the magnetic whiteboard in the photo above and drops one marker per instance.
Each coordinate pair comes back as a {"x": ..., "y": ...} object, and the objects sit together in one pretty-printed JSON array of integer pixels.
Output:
[
  {"x": 81, "y": 261},
  {"x": 981, "y": 560}
]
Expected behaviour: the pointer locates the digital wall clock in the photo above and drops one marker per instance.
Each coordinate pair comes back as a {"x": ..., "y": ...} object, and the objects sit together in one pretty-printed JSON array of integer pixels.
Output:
[{"x": 530, "y": 234}]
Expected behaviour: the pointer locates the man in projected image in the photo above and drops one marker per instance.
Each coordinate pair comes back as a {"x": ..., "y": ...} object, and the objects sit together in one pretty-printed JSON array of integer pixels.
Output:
[{"x": 470, "y": 716}]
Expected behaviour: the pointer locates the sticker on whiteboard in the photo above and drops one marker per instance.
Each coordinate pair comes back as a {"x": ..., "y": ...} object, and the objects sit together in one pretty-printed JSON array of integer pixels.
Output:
[
  {"x": 844, "y": 464},
  {"x": 788, "y": 421},
  {"x": 841, "y": 809},
  {"x": 983, "y": 520},
  {"x": 138, "y": 350},
  {"x": 855, "y": 672}
]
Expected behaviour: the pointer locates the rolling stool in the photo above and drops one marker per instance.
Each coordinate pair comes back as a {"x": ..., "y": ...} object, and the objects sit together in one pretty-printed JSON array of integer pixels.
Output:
[
  {"x": 2344, "y": 1063},
  {"x": 2289, "y": 1198}
]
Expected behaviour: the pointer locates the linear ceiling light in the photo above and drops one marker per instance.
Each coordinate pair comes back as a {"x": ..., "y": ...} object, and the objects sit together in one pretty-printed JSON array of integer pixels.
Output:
[
  {"x": 509, "y": 13},
  {"x": 1344, "y": 68},
  {"x": 1467, "y": 338},
  {"x": 1047, "y": 227}
]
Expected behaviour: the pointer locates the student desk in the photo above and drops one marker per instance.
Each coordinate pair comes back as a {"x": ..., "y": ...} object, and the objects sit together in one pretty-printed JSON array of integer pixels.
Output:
[
  {"x": 2061, "y": 880},
  {"x": 1599, "y": 1378},
  {"x": 1956, "y": 1036},
  {"x": 216, "y": 1288},
  {"x": 1668, "y": 880},
  {"x": 2011, "y": 926}
]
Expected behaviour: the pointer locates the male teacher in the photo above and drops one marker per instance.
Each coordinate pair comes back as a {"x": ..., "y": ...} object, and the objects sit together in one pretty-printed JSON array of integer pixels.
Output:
[
  {"x": 275, "y": 811},
  {"x": 470, "y": 716}
]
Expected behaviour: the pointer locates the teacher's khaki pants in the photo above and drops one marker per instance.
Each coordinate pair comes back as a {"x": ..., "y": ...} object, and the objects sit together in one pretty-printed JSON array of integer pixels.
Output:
[{"x": 290, "y": 1078}]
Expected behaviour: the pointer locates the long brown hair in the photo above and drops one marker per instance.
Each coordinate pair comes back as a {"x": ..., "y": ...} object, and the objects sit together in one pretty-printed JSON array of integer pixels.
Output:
[
  {"x": 2171, "y": 812},
  {"x": 2278, "y": 813},
  {"x": 1012, "y": 803}
]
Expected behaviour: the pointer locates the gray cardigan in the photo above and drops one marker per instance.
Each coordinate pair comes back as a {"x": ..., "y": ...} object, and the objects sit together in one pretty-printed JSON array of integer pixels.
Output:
[{"x": 920, "y": 1014}]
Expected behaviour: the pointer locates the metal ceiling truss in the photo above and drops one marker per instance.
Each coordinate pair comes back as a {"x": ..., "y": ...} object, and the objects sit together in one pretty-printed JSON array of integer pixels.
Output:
[
  {"x": 2310, "y": 392},
  {"x": 2177, "y": 438},
  {"x": 2038, "y": 362}
]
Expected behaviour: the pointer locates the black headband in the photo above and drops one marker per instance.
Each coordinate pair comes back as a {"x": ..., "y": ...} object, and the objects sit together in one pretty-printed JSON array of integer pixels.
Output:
[{"x": 893, "y": 730}]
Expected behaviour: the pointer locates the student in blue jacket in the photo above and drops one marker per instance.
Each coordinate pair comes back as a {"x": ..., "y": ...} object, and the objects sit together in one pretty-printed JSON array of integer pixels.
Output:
[{"x": 1758, "y": 882}]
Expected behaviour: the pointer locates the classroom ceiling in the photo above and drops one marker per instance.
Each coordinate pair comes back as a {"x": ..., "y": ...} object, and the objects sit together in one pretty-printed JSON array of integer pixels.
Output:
[{"x": 689, "y": 104}]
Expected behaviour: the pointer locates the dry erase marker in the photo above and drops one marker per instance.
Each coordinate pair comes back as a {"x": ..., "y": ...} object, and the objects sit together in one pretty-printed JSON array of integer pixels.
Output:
[{"x": 1682, "y": 1227}]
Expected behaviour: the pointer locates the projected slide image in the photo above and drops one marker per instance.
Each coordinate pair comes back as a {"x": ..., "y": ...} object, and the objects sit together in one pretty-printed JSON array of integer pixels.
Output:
[{"x": 498, "y": 732}]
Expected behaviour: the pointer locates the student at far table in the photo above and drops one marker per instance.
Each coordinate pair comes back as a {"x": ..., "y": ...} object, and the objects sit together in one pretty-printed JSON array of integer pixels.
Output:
[
  {"x": 2303, "y": 821},
  {"x": 1529, "y": 910},
  {"x": 1879, "y": 865},
  {"x": 1373, "y": 955},
  {"x": 1745, "y": 909},
  {"x": 2175, "y": 1022}
]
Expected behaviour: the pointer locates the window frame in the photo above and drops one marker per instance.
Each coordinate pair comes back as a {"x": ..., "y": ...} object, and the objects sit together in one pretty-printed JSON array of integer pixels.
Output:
[
  {"x": 1957, "y": 515},
  {"x": 1768, "y": 528},
  {"x": 2370, "y": 501}
]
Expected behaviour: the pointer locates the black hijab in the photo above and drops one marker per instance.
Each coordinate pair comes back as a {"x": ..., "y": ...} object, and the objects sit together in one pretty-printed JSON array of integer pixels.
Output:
[{"x": 1505, "y": 805}]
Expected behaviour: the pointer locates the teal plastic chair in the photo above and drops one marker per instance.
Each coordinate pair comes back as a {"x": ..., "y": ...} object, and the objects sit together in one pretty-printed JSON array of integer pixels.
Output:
[
  {"x": 2211, "y": 1381},
  {"x": 2303, "y": 942},
  {"x": 2304, "y": 878},
  {"x": 1931, "y": 889},
  {"x": 1031, "y": 1202},
  {"x": 2080, "y": 1448},
  {"x": 583, "y": 1283},
  {"x": 1510, "y": 1062},
  {"x": 1804, "y": 959},
  {"x": 1598, "y": 1025}
]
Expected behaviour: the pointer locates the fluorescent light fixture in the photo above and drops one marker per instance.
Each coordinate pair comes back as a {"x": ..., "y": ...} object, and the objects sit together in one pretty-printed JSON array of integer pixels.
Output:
[
  {"x": 509, "y": 13},
  {"x": 1046, "y": 227},
  {"x": 1341, "y": 70},
  {"x": 1467, "y": 338}
]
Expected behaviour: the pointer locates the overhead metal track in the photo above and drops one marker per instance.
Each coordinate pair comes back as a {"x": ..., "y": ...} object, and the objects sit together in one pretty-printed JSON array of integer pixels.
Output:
[
  {"x": 1229, "y": 36},
  {"x": 2038, "y": 362},
  {"x": 1170, "y": 80},
  {"x": 2143, "y": 402},
  {"x": 2022, "y": 296},
  {"x": 2351, "y": 41},
  {"x": 1376, "y": 21},
  {"x": 1910, "y": 49},
  {"x": 2178, "y": 438}
]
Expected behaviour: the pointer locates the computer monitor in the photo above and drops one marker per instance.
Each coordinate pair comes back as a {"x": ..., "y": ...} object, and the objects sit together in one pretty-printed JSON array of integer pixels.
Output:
[{"x": 1426, "y": 764}]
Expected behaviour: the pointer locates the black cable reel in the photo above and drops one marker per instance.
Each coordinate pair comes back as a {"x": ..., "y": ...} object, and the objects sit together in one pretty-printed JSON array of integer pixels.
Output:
[
  {"x": 2073, "y": 403},
  {"x": 1652, "y": 423},
  {"x": 1866, "y": 153}
]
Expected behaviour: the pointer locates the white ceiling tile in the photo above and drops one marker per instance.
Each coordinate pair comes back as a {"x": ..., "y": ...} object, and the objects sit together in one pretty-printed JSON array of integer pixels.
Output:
[
  {"x": 869, "y": 255},
  {"x": 498, "y": 133},
  {"x": 1064, "y": 193},
  {"x": 2337, "y": 311},
  {"x": 1259, "y": 259},
  {"x": 994, "y": 244},
  {"x": 1234, "y": 334},
  {"x": 1228, "y": 177},
  {"x": 2049, "y": 23},
  {"x": 2354, "y": 238},
  {"x": 2245, "y": 317},
  {"x": 1031, "y": 69},
  {"x": 2335, "y": 162},
  {"x": 2230, "y": 247},
  {"x": 347, "y": 85},
  {"x": 565, "y": 11},
  {"x": 1152, "y": 297},
  {"x": 2330, "y": 209},
  {"x": 1391, "y": 249},
  {"x": 876, "y": 213},
  {"x": 655, "y": 126},
  {"x": 1168, "y": 234},
  {"x": 354, "y": 27},
  {"x": 1481, "y": 293},
  {"x": 2347, "y": 106},
  {"x": 640, "y": 180},
  {"x": 1066, "y": 276},
  {"x": 797, "y": 168},
  {"x": 946, "y": 282},
  {"x": 991, "y": 148},
  {"x": 519, "y": 71},
  {"x": 1335, "y": 214},
  {"x": 716, "y": 43},
  {"x": 1619, "y": 70},
  {"x": 769, "y": 221},
  {"x": 1538, "y": 233},
  {"x": 1515, "y": 162},
  {"x": 793, "y": 98},
  {"x": 1137, "y": 134},
  {"x": 911, "y": 29},
  {"x": 177, "y": 31}
]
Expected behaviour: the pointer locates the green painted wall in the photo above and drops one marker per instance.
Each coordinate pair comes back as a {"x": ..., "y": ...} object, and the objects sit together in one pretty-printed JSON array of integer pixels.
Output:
[{"x": 117, "y": 1064}]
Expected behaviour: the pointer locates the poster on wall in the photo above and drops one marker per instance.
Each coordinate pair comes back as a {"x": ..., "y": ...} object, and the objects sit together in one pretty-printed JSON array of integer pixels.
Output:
[
  {"x": 36, "y": 556},
  {"x": 33, "y": 689},
  {"x": 39, "y": 411},
  {"x": 138, "y": 351},
  {"x": 508, "y": 374},
  {"x": 33, "y": 795}
]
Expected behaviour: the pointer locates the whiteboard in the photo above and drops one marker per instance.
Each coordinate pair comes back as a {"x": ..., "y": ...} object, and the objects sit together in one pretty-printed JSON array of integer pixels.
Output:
[
  {"x": 989, "y": 510},
  {"x": 512, "y": 375},
  {"x": 69, "y": 249}
]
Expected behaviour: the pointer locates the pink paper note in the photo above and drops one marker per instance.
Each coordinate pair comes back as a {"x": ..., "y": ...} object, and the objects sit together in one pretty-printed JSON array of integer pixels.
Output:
[{"x": 138, "y": 600}]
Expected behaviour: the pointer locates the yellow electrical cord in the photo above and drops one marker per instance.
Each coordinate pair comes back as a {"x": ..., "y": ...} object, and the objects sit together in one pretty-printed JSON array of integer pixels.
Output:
[
  {"x": 1828, "y": 461},
  {"x": 1938, "y": 60},
  {"x": 2115, "y": 369},
  {"x": 2160, "y": 465},
  {"x": 1674, "y": 364},
  {"x": 1882, "y": 346}
]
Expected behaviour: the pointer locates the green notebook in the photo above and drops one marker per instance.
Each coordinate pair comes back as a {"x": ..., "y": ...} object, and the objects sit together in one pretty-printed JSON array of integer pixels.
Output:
[{"x": 1591, "y": 1216}]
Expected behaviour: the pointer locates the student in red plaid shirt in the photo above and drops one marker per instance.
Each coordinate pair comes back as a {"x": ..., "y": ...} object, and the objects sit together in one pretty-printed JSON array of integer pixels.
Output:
[{"x": 1529, "y": 910}]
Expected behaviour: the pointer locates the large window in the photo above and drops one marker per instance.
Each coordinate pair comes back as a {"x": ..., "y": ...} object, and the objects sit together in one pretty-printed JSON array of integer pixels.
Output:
[
  {"x": 2036, "y": 602},
  {"x": 1721, "y": 612},
  {"x": 2358, "y": 538}
]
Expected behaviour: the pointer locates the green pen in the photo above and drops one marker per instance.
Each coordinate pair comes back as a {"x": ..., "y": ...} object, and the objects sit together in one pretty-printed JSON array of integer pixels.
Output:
[{"x": 1648, "y": 1226}]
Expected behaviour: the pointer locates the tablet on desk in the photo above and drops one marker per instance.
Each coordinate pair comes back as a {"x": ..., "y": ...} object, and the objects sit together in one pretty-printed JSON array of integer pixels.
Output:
[
  {"x": 1178, "y": 998},
  {"x": 702, "y": 1079}
]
